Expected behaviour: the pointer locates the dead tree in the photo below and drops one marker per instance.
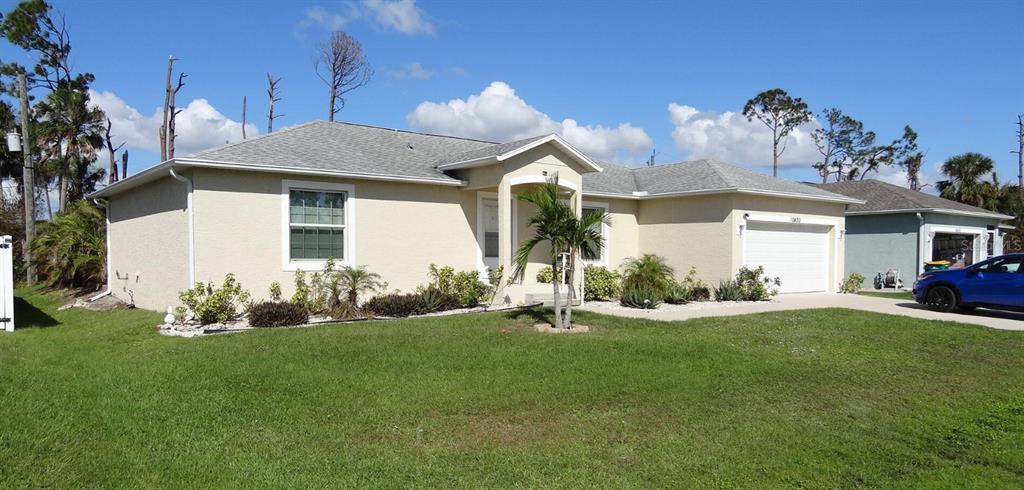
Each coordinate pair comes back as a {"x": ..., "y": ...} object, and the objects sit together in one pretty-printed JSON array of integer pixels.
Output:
[
  {"x": 112, "y": 154},
  {"x": 174, "y": 115},
  {"x": 1020, "y": 154},
  {"x": 124, "y": 164},
  {"x": 170, "y": 112},
  {"x": 340, "y": 63},
  {"x": 244, "y": 101},
  {"x": 273, "y": 95}
]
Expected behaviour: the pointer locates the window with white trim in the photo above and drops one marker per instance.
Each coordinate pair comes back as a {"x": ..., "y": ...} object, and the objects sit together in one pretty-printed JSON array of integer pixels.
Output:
[
  {"x": 597, "y": 258},
  {"x": 316, "y": 222}
]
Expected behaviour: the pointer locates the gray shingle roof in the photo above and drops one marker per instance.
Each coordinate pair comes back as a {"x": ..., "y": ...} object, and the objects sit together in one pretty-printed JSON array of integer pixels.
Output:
[
  {"x": 345, "y": 147},
  {"x": 368, "y": 150},
  {"x": 881, "y": 196},
  {"x": 694, "y": 176},
  {"x": 487, "y": 151}
]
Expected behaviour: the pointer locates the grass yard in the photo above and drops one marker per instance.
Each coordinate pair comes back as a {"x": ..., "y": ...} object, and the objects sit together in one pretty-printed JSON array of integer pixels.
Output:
[
  {"x": 904, "y": 295},
  {"x": 816, "y": 398}
]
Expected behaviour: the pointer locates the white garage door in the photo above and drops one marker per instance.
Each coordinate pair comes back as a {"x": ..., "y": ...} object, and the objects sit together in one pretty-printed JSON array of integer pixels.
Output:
[{"x": 795, "y": 253}]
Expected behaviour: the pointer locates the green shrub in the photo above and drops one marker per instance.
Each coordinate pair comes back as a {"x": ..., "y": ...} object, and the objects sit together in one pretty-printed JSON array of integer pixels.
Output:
[
  {"x": 436, "y": 300},
  {"x": 465, "y": 285},
  {"x": 601, "y": 283},
  {"x": 755, "y": 286},
  {"x": 649, "y": 272},
  {"x": 277, "y": 314},
  {"x": 852, "y": 283},
  {"x": 728, "y": 290},
  {"x": 678, "y": 294},
  {"x": 546, "y": 275},
  {"x": 215, "y": 305},
  {"x": 396, "y": 305},
  {"x": 637, "y": 295}
]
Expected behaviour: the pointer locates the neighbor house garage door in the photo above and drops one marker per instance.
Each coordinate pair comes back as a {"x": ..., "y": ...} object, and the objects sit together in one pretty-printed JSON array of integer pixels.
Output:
[{"x": 795, "y": 253}]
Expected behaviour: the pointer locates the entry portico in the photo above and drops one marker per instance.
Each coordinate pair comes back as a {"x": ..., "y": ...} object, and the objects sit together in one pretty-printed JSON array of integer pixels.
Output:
[{"x": 498, "y": 176}]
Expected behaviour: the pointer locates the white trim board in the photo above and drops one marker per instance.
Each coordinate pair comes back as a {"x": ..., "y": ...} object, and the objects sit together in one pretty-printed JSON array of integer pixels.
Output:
[{"x": 350, "y": 224}]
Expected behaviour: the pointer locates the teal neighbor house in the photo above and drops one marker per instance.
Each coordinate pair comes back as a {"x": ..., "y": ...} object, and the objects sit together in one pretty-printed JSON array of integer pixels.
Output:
[{"x": 900, "y": 228}]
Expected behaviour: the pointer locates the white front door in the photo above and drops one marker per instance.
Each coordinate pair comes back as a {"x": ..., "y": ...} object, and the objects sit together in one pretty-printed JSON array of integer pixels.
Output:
[{"x": 795, "y": 253}]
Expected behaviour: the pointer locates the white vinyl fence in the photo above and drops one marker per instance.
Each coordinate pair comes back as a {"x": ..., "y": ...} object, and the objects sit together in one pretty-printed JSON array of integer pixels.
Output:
[{"x": 6, "y": 283}]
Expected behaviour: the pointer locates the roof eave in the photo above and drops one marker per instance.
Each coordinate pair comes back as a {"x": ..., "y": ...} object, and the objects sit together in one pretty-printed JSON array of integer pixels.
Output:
[
  {"x": 724, "y": 190},
  {"x": 146, "y": 175},
  {"x": 955, "y": 212},
  {"x": 576, "y": 155}
]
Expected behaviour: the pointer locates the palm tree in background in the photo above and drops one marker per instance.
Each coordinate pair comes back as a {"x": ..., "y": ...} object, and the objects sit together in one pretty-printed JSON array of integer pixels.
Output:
[
  {"x": 965, "y": 172},
  {"x": 71, "y": 133}
]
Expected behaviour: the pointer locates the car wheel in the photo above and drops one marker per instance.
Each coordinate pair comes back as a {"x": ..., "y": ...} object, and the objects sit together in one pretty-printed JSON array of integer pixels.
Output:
[{"x": 941, "y": 298}]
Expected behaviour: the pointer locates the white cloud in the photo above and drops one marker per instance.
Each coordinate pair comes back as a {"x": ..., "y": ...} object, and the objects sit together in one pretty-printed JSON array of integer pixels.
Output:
[
  {"x": 198, "y": 127},
  {"x": 411, "y": 71},
  {"x": 400, "y": 15},
  {"x": 498, "y": 114},
  {"x": 729, "y": 137}
]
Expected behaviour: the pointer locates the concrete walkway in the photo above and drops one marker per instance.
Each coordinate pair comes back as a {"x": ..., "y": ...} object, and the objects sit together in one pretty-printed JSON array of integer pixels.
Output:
[{"x": 989, "y": 318}]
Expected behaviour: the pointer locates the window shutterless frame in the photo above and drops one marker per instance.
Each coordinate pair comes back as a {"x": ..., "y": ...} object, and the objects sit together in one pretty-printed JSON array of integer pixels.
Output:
[{"x": 346, "y": 226}]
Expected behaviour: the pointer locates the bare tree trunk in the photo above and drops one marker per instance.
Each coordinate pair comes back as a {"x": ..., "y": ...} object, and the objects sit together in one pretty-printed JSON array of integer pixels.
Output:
[
  {"x": 330, "y": 105},
  {"x": 243, "y": 116},
  {"x": 112, "y": 153},
  {"x": 174, "y": 111},
  {"x": 572, "y": 289},
  {"x": 1020, "y": 154},
  {"x": 167, "y": 105},
  {"x": 124, "y": 165},
  {"x": 62, "y": 193},
  {"x": 775, "y": 153},
  {"x": 272, "y": 97},
  {"x": 557, "y": 297}
]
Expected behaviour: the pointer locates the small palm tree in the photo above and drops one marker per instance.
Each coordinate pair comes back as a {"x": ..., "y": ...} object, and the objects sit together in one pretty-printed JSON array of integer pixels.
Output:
[
  {"x": 649, "y": 270},
  {"x": 556, "y": 223},
  {"x": 70, "y": 249},
  {"x": 71, "y": 130},
  {"x": 354, "y": 280},
  {"x": 584, "y": 239},
  {"x": 550, "y": 224}
]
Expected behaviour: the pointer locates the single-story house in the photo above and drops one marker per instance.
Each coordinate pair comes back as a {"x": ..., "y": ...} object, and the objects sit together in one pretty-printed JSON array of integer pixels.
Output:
[
  {"x": 397, "y": 201},
  {"x": 899, "y": 228}
]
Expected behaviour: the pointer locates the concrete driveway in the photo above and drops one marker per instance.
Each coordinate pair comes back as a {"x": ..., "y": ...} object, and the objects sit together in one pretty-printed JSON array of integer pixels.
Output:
[{"x": 989, "y": 318}]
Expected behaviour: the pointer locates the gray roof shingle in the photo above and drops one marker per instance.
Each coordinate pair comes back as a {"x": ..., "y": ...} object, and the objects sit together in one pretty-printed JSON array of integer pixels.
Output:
[
  {"x": 345, "y": 147},
  {"x": 694, "y": 176},
  {"x": 881, "y": 196},
  {"x": 368, "y": 150},
  {"x": 487, "y": 151}
]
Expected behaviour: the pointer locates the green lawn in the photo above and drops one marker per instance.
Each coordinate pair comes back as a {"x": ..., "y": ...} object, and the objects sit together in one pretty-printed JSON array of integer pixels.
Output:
[
  {"x": 816, "y": 398},
  {"x": 905, "y": 295}
]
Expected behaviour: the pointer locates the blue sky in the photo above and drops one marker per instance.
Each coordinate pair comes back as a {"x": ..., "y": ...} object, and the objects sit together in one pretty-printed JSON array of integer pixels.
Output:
[{"x": 615, "y": 78}]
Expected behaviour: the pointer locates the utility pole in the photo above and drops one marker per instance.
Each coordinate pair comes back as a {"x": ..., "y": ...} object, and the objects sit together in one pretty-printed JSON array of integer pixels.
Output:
[{"x": 28, "y": 184}]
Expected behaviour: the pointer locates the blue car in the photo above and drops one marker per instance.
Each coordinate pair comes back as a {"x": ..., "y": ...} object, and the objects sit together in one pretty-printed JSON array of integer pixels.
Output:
[{"x": 994, "y": 283}]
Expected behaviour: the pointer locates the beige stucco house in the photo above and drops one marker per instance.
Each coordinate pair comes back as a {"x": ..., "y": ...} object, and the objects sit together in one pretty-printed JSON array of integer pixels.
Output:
[{"x": 397, "y": 201}]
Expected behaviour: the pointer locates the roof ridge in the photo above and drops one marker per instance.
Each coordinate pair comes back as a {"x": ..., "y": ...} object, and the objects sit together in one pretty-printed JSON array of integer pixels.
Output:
[{"x": 714, "y": 168}]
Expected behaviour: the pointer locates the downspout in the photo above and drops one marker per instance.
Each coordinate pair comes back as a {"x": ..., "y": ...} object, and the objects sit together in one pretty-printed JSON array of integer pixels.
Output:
[
  {"x": 110, "y": 283},
  {"x": 191, "y": 233},
  {"x": 920, "y": 244}
]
